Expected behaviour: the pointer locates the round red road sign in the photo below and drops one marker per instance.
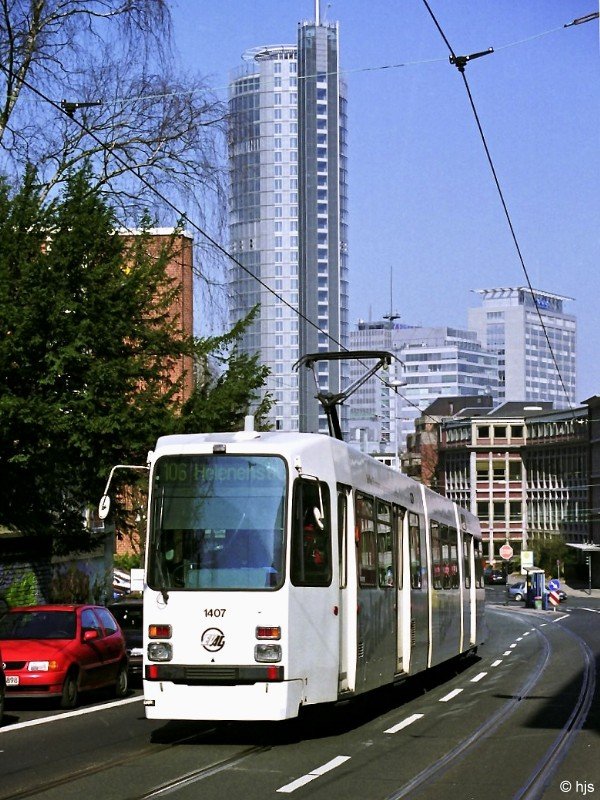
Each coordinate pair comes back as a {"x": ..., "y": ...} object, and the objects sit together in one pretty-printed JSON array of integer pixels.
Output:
[{"x": 506, "y": 552}]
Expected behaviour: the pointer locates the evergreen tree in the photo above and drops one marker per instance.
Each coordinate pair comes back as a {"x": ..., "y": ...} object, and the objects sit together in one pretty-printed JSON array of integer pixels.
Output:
[
  {"x": 86, "y": 341},
  {"x": 228, "y": 385}
]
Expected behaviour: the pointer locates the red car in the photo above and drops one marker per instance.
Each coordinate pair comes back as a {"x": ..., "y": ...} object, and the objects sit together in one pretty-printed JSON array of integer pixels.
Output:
[
  {"x": 2, "y": 688},
  {"x": 61, "y": 650}
]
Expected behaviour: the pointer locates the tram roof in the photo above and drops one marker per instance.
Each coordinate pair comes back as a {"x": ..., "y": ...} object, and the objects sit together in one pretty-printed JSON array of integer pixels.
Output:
[{"x": 280, "y": 438}]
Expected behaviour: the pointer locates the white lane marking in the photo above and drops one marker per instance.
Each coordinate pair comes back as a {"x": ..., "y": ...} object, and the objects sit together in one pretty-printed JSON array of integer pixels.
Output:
[
  {"x": 497, "y": 662},
  {"x": 507, "y": 653},
  {"x": 79, "y": 713},
  {"x": 450, "y": 696},
  {"x": 404, "y": 724},
  {"x": 335, "y": 762},
  {"x": 558, "y": 619},
  {"x": 477, "y": 678},
  {"x": 513, "y": 645},
  {"x": 311, "y": 776},
  {"x": 526, "y": 633},
  {"x": 291, "y": 787},
  {"x": 593, "y": 610},
  {"x": 520, "y": 639}
]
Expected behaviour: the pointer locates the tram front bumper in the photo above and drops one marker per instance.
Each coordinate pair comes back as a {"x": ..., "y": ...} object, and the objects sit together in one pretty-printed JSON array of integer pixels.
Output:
[{"x": 261, "y": 701}]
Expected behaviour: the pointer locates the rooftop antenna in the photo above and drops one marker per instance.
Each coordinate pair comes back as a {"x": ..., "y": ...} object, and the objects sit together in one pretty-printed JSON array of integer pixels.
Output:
[{"x": 391, "y": 316}]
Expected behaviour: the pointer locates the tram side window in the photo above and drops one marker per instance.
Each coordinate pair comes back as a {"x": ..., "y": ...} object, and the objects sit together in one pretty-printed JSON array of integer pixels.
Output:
[
  {"x": 478, "y": 564},
  {"x": 311, "y": 535},
  {"x": 451, "y": 577},
  {"x": 397, "y": 543},
  {"x": 436, "y": 553},
  {"x": 466, "y": 560},
  {"x": 446, "y": 565},
  {"x": 365, "y": 541},
  {"x": 385, "y": 552},
  {"x": 454, "y": 571},
  {"x": 416, "y": 565}
]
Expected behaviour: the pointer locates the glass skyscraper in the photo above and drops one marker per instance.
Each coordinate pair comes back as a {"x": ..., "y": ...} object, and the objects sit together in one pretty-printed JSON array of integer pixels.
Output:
[{"x": 288, "y": 207}]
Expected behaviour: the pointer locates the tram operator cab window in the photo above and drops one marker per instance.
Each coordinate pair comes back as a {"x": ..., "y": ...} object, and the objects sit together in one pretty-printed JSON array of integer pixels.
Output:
[
  {"x": 217, "y": 522},
  {"x": 311, "y": 535}
]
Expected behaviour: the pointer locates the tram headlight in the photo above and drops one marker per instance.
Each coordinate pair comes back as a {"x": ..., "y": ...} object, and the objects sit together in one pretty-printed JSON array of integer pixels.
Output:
[
  {"x": 267, "y": 653},
  {"x": 160, "y": 651}
]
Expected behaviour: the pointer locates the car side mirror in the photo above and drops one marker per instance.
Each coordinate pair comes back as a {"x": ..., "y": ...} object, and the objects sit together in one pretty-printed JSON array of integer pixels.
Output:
[{"x": 90, "y": 635}]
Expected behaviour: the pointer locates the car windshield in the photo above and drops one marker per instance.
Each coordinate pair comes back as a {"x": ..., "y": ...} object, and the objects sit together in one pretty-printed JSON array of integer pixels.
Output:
[{"x": 38, "y": 625}]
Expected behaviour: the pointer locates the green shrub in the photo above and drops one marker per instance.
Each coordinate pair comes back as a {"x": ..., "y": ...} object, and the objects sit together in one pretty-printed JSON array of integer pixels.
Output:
[
  {"x": 128, "y": 561},
  {"x": 23, "y": 592}
]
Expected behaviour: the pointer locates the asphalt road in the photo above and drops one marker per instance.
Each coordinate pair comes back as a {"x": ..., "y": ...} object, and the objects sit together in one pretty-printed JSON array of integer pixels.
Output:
[{"x": 521, "y": 720}]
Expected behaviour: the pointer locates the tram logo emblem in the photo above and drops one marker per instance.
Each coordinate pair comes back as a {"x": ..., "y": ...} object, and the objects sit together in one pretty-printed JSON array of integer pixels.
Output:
[{"x": 212, "y": 640}]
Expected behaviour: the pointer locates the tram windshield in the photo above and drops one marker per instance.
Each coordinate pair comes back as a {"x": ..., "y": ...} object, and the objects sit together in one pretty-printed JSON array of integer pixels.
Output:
[{"x": 217, "y": 522}]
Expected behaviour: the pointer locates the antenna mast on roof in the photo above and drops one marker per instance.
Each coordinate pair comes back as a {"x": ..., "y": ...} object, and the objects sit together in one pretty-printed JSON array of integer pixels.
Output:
[{"x": 391, "y": 316}]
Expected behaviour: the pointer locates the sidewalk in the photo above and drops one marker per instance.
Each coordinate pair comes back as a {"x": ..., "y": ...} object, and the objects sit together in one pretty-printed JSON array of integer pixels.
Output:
[
  {"x": 580, "y": 592},
  {"x": 572, "y": 591}
]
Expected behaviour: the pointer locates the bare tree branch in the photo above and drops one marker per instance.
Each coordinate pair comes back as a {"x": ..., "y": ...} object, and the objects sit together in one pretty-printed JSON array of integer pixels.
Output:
[{"x": 156, "y": 134}]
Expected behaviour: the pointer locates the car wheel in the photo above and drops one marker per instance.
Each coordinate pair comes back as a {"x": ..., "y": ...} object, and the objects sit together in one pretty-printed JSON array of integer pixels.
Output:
[
  {"x": 122, "y": 684},
  {"x": 518, "y": 597},
  {"x": 70, "y": 691}
]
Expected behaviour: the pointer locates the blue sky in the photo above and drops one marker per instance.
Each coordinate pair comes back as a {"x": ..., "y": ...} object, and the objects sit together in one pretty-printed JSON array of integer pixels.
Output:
[{"x": 423, "y": 203}]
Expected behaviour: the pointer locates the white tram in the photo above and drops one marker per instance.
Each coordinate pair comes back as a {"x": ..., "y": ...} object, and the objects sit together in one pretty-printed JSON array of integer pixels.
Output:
[{"x": 285, "y": 570}]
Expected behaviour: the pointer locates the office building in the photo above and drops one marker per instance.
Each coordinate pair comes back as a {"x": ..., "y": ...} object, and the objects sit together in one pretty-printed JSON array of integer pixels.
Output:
[
  {"x": 525, "y": 469},
  {"x": 431, "y": 363},
  {"x": 535, "y": 341},
  {"x": 288, "y": 212}
]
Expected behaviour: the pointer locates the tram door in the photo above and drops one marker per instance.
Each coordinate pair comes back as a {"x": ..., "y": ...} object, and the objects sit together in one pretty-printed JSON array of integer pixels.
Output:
[
  {"x": 314, "y": 596},
  {"x": 377, "y": 617},
  {"x": 402, "y": 602},
  {"x": 347, "y": 598},
  {"x": 419, "y": 589}
]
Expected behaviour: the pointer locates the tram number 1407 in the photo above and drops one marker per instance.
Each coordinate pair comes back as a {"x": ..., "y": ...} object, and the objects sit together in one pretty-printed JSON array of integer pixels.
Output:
[{"x": 214, "y": 612}]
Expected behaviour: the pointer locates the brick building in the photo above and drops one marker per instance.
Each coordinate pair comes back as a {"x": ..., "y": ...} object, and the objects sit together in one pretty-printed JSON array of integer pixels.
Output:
[{"x": 180, "y": 271}]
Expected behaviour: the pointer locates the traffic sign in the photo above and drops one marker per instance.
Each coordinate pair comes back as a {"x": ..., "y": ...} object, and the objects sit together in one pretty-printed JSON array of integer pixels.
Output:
[
  {"x": 506, "y": 552},
  {"x": 554, "y": 598},
  {"x": 553, "y": 584}
]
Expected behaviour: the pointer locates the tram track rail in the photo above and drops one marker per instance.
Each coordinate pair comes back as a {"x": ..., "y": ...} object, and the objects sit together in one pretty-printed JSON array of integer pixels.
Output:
[
  {"x": 537, "y": 781},
  {"x": 44, "y": 786},
  {"x": 199, "y": 774},
  {"x": 547, "y": 766}
]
